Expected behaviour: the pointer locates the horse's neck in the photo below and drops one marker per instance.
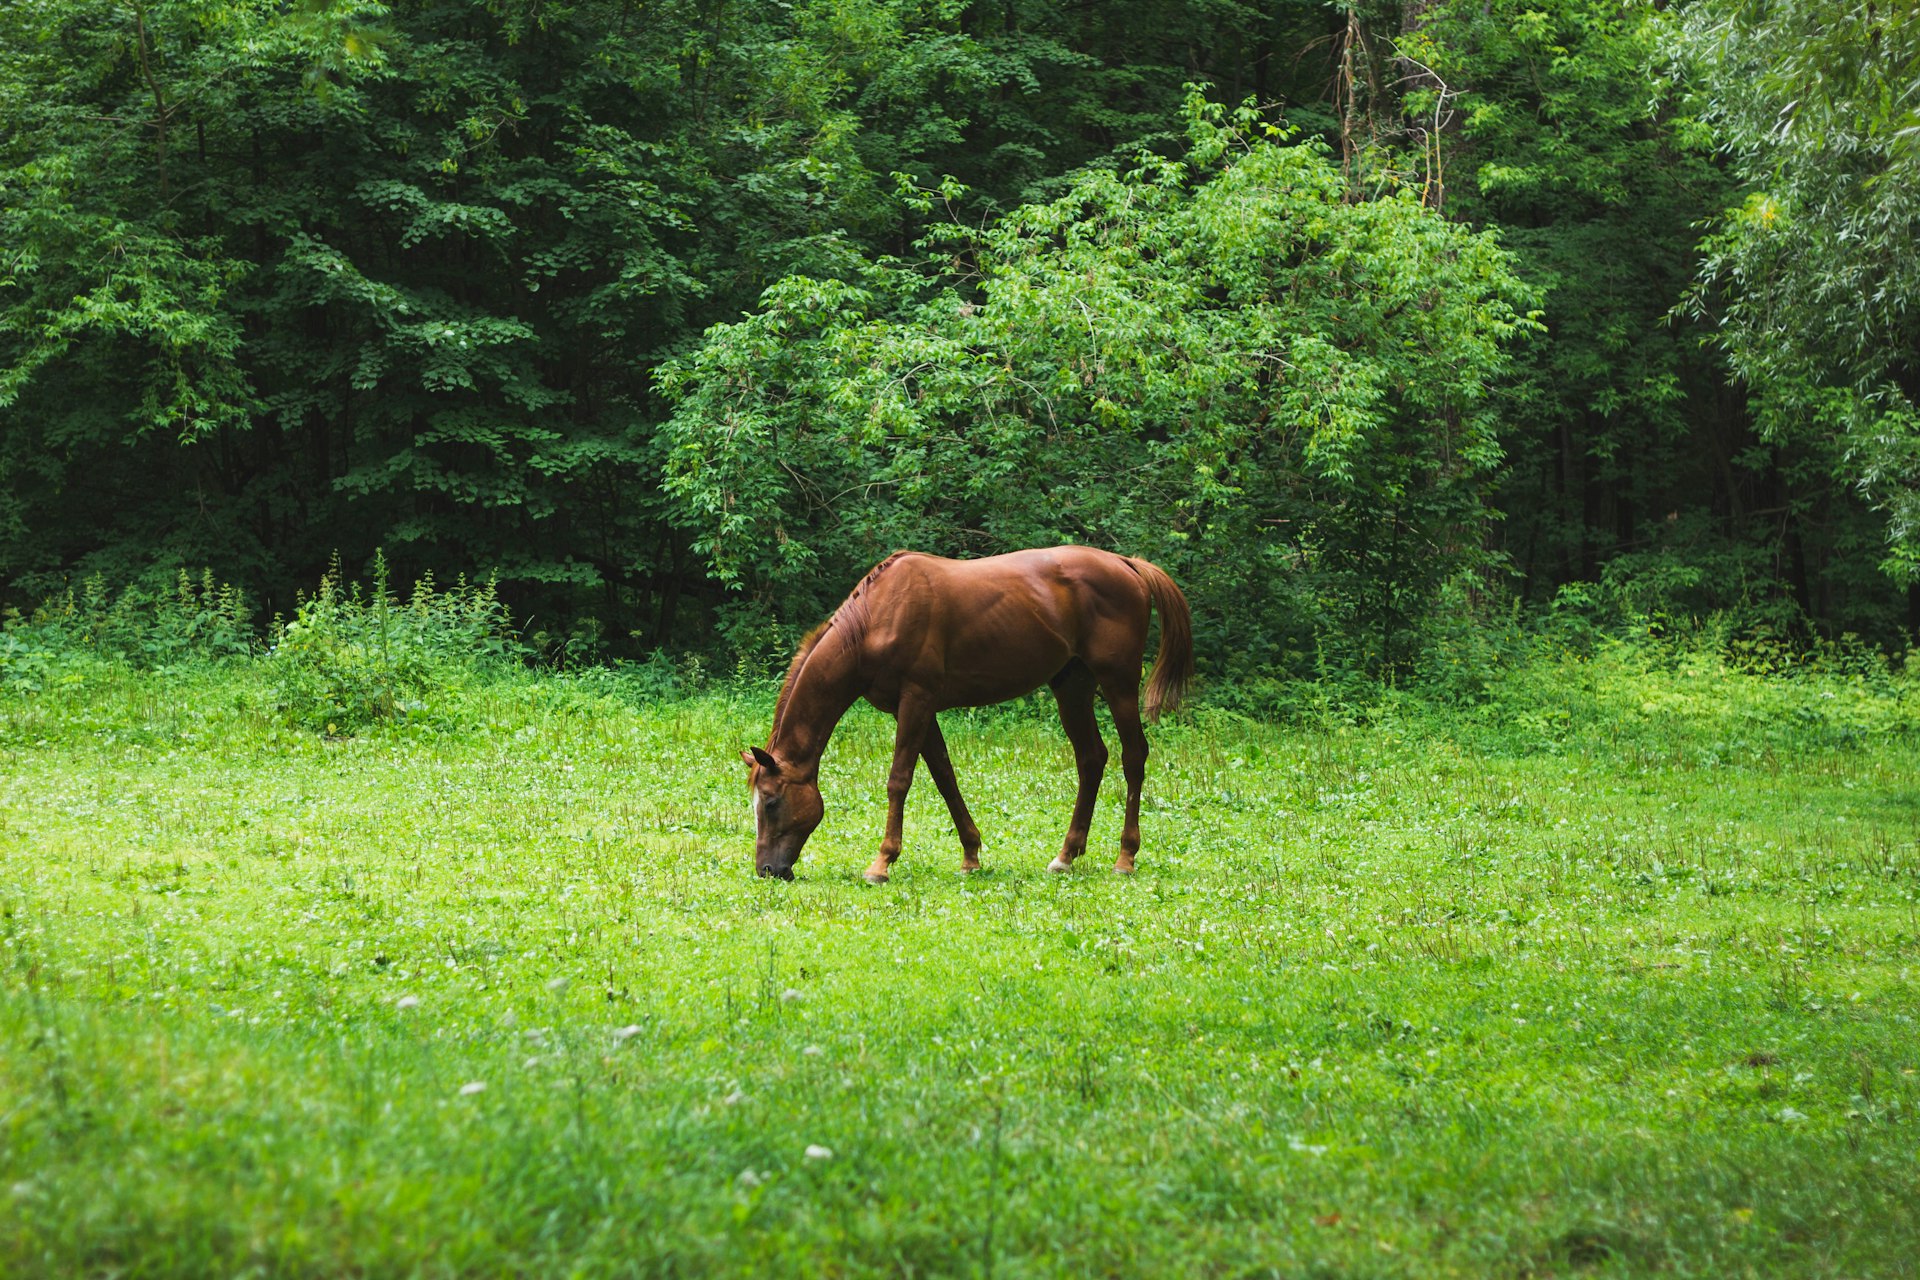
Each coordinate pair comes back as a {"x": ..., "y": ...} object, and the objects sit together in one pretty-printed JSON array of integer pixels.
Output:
[{"x": 827, "y": 683}]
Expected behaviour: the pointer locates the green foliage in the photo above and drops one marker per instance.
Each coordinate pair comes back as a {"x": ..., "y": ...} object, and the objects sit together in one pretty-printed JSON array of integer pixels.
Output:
[
  {"x": 351, "y": 659},
  {"x": 1810, "y": 276},
  {"x": 23, "y": 662},
  {"x": 1225, "y": 363},
  {"x": 284, "y": 279},
  {"x": 98, "y": 277}
]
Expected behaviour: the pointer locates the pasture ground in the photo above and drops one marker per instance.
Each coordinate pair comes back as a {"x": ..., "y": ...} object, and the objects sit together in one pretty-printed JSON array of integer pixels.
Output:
[{"x": 1616, "y": 975}]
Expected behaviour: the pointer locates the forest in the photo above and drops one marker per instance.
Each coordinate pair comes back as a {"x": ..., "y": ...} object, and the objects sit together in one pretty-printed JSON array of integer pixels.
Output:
[{"x": 1384, "y": 328}]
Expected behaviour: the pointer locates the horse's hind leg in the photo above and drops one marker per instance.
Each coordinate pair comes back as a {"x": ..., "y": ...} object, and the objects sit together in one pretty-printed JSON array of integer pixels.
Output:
[
  {"x": 1123, "y": 700},
  {"x": 934, "y": 751},
  {"x": 1073, "y": 690},
  {"x": 913, "y": 717}
]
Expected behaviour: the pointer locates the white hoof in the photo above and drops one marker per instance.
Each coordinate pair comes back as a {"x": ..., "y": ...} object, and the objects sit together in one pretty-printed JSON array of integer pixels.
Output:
[{"x": 1057, "y": 865}]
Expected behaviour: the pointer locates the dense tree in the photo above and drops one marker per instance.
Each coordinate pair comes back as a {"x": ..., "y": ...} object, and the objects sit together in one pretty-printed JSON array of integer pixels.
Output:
[
  {"x": 1812, "y": 278},
  {"x": 289, "y": 279},
  {"x": 1635, "y": 457},
  {"x": 1559, "y": 137},
  {"x": 402, "y": 279}
]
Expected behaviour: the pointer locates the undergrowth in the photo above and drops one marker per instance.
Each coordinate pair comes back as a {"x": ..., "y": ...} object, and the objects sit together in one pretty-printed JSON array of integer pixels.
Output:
[{"x": 357, "y": 658}]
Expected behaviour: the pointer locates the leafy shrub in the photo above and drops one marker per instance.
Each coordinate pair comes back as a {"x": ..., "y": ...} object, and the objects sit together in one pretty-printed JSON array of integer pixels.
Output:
[
  {"x": 354, "y": 657},
  {"x": 1228, "y": 364}
]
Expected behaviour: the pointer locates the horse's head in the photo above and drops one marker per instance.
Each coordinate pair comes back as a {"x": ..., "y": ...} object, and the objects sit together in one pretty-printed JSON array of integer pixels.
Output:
[{"x": 786, "y": 809}]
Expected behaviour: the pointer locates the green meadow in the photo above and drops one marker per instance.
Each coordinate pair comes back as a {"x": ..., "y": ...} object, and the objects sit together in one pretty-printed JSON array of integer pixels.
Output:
[{"x": 1615, "y": 973}]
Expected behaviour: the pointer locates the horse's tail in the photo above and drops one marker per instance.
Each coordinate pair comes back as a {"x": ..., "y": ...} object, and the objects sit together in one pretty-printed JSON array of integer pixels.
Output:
[{"x": 1173, "y": 665}]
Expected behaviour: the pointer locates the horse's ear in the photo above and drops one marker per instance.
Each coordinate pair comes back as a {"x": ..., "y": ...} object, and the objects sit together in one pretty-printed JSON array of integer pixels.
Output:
[{"x": 754, "y": 755}]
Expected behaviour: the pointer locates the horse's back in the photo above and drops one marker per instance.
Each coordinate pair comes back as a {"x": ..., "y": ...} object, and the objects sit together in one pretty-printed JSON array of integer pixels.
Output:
[
  {"x": 980, "y": 631},
  {"x": 1067, "y": 587}
]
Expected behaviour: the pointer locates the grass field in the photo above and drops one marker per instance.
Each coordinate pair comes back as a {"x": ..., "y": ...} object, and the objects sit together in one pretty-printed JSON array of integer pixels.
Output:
[{"x": 1616, "y": 976}]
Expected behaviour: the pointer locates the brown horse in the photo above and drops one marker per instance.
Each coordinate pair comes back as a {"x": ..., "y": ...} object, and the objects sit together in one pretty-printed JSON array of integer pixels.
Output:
[{"x": 920, "y": 634}]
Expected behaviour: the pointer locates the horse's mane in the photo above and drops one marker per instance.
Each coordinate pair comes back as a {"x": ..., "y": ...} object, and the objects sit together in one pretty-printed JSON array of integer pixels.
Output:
[
  {"x": 807, "y": 643},
  {"x": 851, "y": 617}
]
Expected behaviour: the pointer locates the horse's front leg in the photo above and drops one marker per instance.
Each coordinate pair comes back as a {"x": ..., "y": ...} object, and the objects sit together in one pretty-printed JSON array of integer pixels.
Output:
[
  {"x": 912, "y": 717},
  {"x": 934, "y": 751}
]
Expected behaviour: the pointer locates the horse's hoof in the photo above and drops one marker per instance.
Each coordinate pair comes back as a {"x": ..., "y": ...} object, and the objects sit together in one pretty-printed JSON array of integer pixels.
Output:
[
  {"x": 873, "y": 877},
  {"x": 1058, "y": 866},
  {"x": 969, "y": 868},
  {"x": 1124, "y": 868}
]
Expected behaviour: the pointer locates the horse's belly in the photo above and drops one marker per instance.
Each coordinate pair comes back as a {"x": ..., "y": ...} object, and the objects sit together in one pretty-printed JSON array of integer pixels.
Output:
[
  {"x": 986, "y": 693},
  {"x": 997, "y": 670}
]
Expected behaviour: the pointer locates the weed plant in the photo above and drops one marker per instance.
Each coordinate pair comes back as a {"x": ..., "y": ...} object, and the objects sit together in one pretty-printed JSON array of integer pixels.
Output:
[
  {"x": 1611, "y": 971},
  {"x": 84, "y": 628},
  {"x": 350, "y": 658}
]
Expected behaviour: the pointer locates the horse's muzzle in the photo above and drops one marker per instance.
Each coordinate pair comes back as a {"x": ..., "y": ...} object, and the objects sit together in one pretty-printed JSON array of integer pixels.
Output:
[{"x": 768, "y": 870}]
